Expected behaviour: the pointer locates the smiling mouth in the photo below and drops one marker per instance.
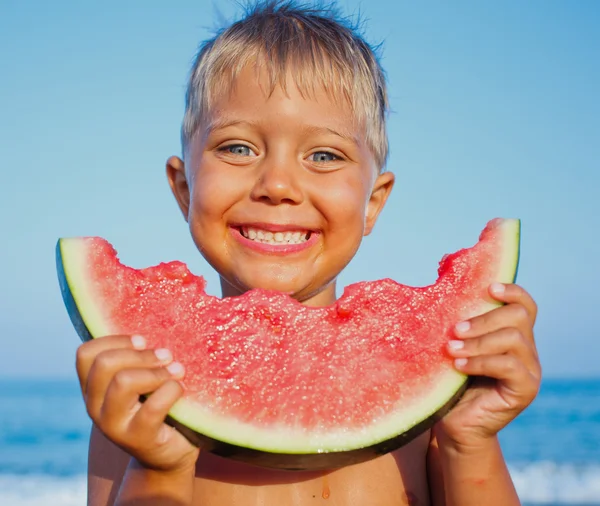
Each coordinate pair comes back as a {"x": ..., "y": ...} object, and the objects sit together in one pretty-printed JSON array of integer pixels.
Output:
[{"x": 282, "y": 238}]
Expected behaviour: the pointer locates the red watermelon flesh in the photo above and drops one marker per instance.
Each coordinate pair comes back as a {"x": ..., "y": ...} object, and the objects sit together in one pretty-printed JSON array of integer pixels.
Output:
[{"x": 267, "y": 374}]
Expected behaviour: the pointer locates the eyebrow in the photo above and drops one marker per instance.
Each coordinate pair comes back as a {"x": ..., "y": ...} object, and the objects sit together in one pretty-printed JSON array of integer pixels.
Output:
[
  {"x": 221, "y": 123},
  {"x": 328, "y": 130}
]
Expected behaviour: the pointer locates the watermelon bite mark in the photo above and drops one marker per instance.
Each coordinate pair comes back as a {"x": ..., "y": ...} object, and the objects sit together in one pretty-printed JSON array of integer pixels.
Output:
[{"x": 279, "y": 384}]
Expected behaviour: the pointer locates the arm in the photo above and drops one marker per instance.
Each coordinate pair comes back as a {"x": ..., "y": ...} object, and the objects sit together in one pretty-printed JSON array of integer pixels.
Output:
[
  {"x": 114, "y": 372},
  {"x": 106, "y": 466},
  {"x": 469, "y": 477},
  {"x": 497, "y": 349},
  {"x": 114, "y": 478}
]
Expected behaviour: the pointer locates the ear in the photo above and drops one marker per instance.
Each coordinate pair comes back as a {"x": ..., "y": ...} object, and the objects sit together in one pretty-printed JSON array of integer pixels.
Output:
[
  {"x": 179, "y": 184},
  {"x": 381, "y": 191}
]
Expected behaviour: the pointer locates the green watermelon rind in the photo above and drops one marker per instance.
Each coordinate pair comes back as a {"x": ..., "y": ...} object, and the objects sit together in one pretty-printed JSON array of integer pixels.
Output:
[
  {"x": 230, "y": 437},
  {"x": 72, "y": 281}
]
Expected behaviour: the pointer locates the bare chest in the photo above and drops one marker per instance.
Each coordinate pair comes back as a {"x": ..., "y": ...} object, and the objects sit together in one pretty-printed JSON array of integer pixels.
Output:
[{"x": 396, "y": 479}]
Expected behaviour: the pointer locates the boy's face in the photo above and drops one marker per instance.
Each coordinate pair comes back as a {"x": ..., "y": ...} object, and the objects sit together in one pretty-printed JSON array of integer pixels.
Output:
[{"x": 295, "y": 171}]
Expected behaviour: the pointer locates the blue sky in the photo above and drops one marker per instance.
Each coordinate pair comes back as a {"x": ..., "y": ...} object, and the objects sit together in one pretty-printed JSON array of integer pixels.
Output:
[{"x": 496, "y": 112}]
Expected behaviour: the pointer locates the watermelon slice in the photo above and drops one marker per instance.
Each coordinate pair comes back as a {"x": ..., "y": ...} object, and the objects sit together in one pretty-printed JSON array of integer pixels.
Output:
[{"x": 278, "y": 384}]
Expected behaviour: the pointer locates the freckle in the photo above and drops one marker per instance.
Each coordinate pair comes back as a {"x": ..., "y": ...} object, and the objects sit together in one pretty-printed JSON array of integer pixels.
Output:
[{"x": 326, "y": 491}]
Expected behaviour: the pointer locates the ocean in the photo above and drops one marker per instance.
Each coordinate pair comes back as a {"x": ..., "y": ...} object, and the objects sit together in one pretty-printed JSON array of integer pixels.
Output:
[{"x": 553, "y": 448}]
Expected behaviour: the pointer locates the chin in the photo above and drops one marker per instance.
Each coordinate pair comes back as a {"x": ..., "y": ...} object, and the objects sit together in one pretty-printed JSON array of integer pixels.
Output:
[{"x": 270, "y": 282}]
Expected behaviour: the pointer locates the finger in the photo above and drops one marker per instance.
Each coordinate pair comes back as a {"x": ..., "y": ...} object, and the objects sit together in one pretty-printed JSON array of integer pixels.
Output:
[
  {"x": 504, "y": 341},
  {"x": 149, "y": 421},
  {"x": 88, "y": 351},
  {"x": 122, "y": 400},
  {"x": 517, "y": 382},
  {"x": 109, "y": 363},
  {"x": 511, "y": 315},
  {"x": 514, "y": 294}
]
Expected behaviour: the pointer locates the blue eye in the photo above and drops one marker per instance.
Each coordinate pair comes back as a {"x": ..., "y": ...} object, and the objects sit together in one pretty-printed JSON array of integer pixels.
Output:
[
  {"x": 324, "y": 157},
  {"x": 237, "y": 149}
]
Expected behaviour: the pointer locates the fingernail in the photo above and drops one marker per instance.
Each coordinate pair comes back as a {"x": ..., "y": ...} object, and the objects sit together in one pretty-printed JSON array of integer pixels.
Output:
[
  {"x": 176, "y": 369},
  {"x": 460, "y": 362},
  {"x": 462, "y": 327},
  {"x": 497, "y": 288},
  {"x": 163, "y": 355},
  {"x": 138, "y": 342},
  {"x": 456, "y": 344}
]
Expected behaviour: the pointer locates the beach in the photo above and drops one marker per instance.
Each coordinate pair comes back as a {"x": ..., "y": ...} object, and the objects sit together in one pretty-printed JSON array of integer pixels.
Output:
[{"x": 553, "y": 449}]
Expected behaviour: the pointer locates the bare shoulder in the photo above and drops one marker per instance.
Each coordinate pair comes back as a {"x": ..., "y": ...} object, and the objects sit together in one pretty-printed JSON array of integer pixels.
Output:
[{"x": 106, "y": 467}]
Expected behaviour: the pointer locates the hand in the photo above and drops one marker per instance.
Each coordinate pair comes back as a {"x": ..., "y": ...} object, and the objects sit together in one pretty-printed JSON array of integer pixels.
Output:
[
  {"x": 498, "y": 348},
  {"x": 114, "y": 371}
]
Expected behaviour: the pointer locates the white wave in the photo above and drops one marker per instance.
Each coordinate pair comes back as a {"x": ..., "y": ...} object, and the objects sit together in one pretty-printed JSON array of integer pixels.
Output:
[
  {"x": 536, "y": 483},
  {"x": 46, "y": 490},
  {"x": 552, "y": 483}
]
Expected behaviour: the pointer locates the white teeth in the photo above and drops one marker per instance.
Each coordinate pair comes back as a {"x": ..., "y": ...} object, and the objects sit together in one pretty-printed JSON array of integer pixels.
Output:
[{"x": 279, "y": 238}]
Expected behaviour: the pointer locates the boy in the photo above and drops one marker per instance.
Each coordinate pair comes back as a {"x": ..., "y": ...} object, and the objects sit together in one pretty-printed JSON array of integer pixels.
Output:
[{"x": 283, "y": 148}]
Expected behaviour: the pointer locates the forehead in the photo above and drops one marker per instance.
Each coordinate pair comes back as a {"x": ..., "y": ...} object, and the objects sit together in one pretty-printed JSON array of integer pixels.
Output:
[{"x": 254, "y": 94}]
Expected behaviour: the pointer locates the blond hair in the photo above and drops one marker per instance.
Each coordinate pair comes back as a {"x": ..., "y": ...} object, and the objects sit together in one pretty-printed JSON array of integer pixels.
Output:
[{"x": 323, "y": 50}]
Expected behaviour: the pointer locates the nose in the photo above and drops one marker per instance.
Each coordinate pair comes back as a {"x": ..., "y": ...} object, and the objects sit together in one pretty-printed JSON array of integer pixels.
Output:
[{"x": 277, "y": 182}]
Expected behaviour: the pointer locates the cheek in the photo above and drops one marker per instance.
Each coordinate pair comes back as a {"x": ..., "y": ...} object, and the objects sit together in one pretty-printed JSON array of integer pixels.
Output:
[
  {"x": 212, "y": 193},
  {"x": 344, "y": 206},
  {"x": 210, "y": 198}
]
